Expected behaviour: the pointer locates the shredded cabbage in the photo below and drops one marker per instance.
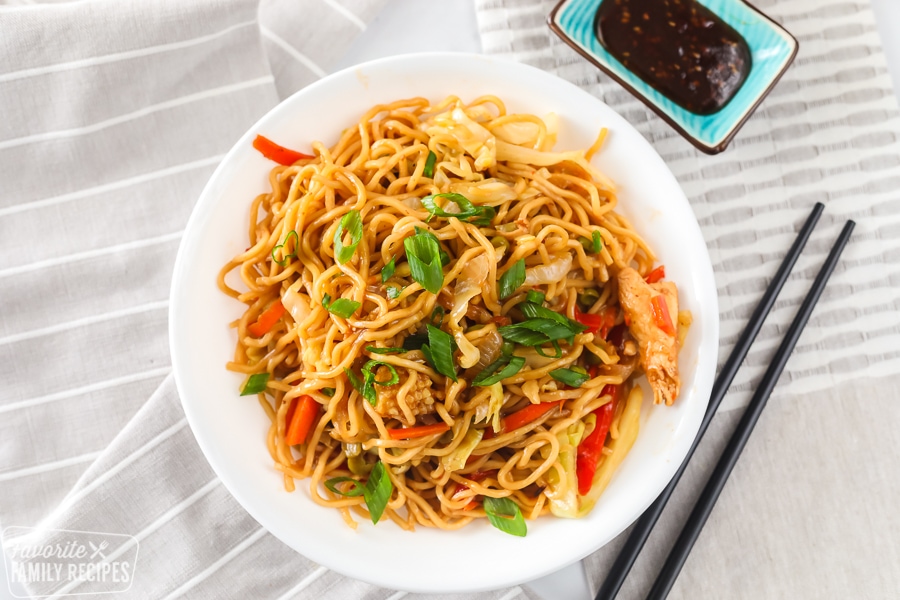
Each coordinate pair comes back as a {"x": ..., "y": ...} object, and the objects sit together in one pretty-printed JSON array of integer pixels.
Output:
[
  {"x": 297, "y": 304},
  {"x": 472, "y": 137},
  {"x": 468, "y": 285},
  {"x": 562, "y": 480},
  {"x": 456, "y": 460},
  {"x": 557, "y": 270}
]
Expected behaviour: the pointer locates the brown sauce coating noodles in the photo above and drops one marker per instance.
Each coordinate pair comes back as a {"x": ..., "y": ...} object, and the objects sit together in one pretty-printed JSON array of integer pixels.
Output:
[{"x": 551, "y": 210}]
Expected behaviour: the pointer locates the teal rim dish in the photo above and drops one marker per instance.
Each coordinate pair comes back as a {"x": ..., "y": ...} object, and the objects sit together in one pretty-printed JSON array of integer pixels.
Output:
[{"x": 772, "y": 49}]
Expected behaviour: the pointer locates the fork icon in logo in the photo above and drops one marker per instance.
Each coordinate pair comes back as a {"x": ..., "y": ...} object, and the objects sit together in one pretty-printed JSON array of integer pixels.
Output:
[{"x": 99, "y": 549}]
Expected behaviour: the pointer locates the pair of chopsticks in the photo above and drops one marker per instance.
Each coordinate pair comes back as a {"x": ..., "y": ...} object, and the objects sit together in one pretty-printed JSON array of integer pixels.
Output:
[{"x": 691, "y": 531}]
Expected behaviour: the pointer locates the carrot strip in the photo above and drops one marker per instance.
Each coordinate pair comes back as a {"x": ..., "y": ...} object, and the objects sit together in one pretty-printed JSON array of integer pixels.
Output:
[
  {"x": 408, "y": 433},
  {"x": 305, "y": 411},
  {"x": 267, "y": 319},
  {"x": 279, "y": 154}
]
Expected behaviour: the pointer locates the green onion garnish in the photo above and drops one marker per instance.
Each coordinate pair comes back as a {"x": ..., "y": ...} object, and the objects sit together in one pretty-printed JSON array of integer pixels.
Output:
[
  {"x": 512, "y": 279},
  {"x": 415, "y": 342},
  {"x": 569, "y": 377},
  {"x": 535, "y": 311},
  {"x": 477, "y": 215},
  {"x": 439, "y": 352},
  {"x": 366, "y": 391},
  {"x": 388, "y": 271},
  {"x": 424, "y": 255},
  {"x": 255, "y": 384},
  {"x": 557, "y": 351},
  {"x": 393, "y": 292},
  {"x": 369, "y": 373},
  {"x": 504, "y": 514},
  {"x": 356, "y": 488},
  {"x": 350, "y": 223},
  {"x": 341, "y": 307},
  {"x": 597, "y": 241},
  {"x": 536, "y": 297},
  {"x": 378, "y": 491},
  {"x": 429, "y": 165},
  {"x": 328, "y": 392},
  {"x": 285, "y": 257},
  {"x": 437, "y": 316},
  {"x": 510, "y": 366},
  {"x": 375, "y": 350}
]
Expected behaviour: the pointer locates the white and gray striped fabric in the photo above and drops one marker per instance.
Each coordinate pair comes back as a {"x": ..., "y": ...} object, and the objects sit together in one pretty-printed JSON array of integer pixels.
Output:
[
  {"x": 115, "y": 113},
  {"x": 109, "y": 133}
]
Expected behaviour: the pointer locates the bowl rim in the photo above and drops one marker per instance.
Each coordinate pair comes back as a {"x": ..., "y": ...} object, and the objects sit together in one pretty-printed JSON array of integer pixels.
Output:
[
  {"x": 195, "y": 416},
  {"x": 649, "y": 103}
]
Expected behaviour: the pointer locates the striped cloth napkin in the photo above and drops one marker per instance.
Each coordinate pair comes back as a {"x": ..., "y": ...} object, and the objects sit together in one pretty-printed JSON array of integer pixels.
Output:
[
  {"x": 810, "y": 510},
  {"x": 115, "y": 113}
]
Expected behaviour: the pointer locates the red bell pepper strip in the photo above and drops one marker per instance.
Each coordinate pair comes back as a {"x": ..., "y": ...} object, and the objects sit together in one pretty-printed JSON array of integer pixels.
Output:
[
  {"x": 592, "y": 322},
  {"x": 300, "y": 421},
  {"x": 267, "y": 319},
  {"x": 408, "y": 433},
  {"x": 661, "y": 314},
  {"x": 591, "y": 447},
  {"x": 279, "y": 154},
  {"x": 526, "y": 415},
  {"x": 601, "y": 323},
  {"x": 656, "y": 274}
]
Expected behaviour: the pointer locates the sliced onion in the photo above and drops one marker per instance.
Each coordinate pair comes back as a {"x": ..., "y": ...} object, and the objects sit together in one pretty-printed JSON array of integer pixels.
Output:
[
  {"x": 556, "y": 271},
  {"x": 488, "y": 192},
  {"x": 296, "y": 303},
  {"x": 520, "y": 133},
  {"x": 468, "y": 285},
  {"x": 489, "y": 346}
]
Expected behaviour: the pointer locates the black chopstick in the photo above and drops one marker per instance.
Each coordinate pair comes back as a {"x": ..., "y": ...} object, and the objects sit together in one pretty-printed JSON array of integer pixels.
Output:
[
  {"x": 645, "y": 523},
  {"x": 679, "y": 553}
]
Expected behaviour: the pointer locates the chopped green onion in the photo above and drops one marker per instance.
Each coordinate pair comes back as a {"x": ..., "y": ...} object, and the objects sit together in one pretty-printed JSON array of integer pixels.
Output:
[
  {"x": 536, "y": 297},
  {"x": 557, "y": 351},
  {"x": 477, "y": 215},
  {"x": 586, "y": 243},
  {"x": 369, "y": 373},
  {"x": 437, "y": 316},
  {"x": 569, "y": 377},
  {"x": 326, "y": 301},
  {"x": 375, "y": 350},
  {"x": 388, "y": 271},
  {"x": 507, "y": 348},
  {"x": 429, "y": 165},
  {"x": 341, "y": 307},
  {"x": 445, "y": 258},
  {"x": 393, "y": 292},
  {"x": 255, "y": 384},
  {"x": 535, "y": 311},
  {"x": 512, "y": 279},
  {"x": 328, "y": 392},
  {"x": 504, "y": 514},
  {"x": 579, "y": 370},
  {"x": 366, "y": 390},
  {"x": 439, "y": 352},
  {"x": 535, "y": 332},
  {"x": 423, "y": 253},
  {"x": 587, "y": 298},
  {"x": 350, "y": 223},
  {"x": 356, "y": 489},
  {"x": 598, "y": 241},
  {"x": 285, "y": 257},
  {"x": 500, "y": 243},
  {"x": 415, "y": 342},
  {"x": 378, "y": 491},
  {"x": 510, "y": 366}
]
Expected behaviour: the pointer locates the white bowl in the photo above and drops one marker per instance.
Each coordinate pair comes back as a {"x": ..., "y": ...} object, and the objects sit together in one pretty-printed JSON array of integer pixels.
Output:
[{"x": 231, "y": 430}]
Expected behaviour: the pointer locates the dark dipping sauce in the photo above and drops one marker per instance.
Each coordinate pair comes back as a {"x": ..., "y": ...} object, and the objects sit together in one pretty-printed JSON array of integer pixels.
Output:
[{"x": 679, "y": 47}]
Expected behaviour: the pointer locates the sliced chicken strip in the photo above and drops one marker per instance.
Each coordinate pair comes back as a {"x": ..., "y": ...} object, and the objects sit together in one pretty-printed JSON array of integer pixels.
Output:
[{"x": 658, "y": 349}]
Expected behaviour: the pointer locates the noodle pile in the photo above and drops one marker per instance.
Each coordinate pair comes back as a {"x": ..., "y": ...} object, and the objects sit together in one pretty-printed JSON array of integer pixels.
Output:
[{"x": 337, "y": 321}]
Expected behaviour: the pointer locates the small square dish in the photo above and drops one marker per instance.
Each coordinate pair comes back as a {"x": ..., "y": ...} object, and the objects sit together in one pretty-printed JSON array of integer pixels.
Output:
[{"x": 702, "y": 65}]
